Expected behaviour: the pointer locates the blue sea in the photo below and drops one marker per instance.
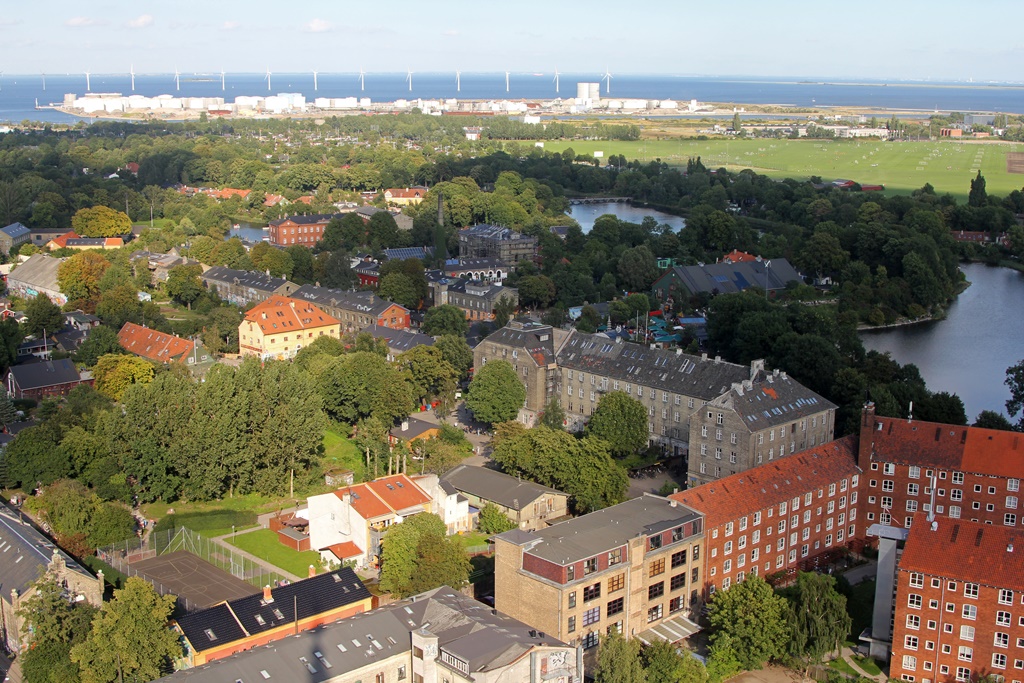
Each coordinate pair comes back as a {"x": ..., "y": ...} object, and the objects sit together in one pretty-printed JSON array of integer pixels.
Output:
[{"x": 20, "y": 93}]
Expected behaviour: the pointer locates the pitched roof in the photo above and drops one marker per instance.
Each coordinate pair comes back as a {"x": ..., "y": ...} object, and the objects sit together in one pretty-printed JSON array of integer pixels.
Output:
[
  {"x": 399, "y": 340},
  {"x": 403, "y": 253},
  {"x": 777, "y": 399},
  {"x": 668, "y": 370},
  {"x": 245, "y": 278},
  {"x": 62, "y": 240},
  {"x": 406, "y": 192},
  {"x": 485, "y": 290},
  {"x": 539, "y": 341},
  {"x": 766, "y": 485},
  {"x": 968, "y": 551},
  {"x": 24, "y": 551},
  {"x": 952, "y": 447},
  {"x": 488, "y": 484},
  {"x": 153, "y": 344},
  {"x": 48, "y": 373},
  {"x": 600, "y": 531},
  {"x": 282, "y": 314},
  {"x": 252, "y": 614},
  {"x": 309, "y": 219},
  {"x": 39, "y": 271},
  {"x": 15, "y": 230},
  {"x": 106, "y": 242},
  {"x": 737, "y": 256},
  {"x": 359, "y": 302},
  {"x": 387, "y": 495},
  {"x": 414, "y": 428},
  {"x": 726, "y": 278}
]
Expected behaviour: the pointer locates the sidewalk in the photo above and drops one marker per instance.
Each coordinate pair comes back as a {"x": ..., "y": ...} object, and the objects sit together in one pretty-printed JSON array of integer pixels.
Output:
[{"x": 847, "y": 654}]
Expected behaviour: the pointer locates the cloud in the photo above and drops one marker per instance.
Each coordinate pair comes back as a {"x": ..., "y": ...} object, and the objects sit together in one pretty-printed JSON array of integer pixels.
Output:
[
  {"x": 78, "y": 22},
  {"x": 450, "y": 32},
  {"x": 141, "y": 21},
  {"x": 318, "y": 26},
  {"x": 230, "y": 25},
  {"x": 9, "y": 22}
]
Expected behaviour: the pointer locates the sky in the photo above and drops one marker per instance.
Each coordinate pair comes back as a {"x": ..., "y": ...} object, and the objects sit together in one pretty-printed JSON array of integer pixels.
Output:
[{"x": 900, "y": 39}]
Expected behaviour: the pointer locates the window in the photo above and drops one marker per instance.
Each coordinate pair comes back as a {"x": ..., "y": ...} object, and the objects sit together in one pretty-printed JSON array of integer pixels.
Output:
[
  {"x": 615, "y": 606},
  {"x": 679, "y": 559},
  {"x": 1005, "y": 596},
  {"x": 1011, "y": 502},
  {"x": 957, "y": 477},
  {"x": 592, "y": 616},
  {"x": 590, "y": 640},
  {"x": 914, "y": 472},
  {"x": 592, "y": 592},
  {"x": 914, "y": 601},
  {"x": 966, "y": 633},
  {"x": 656, "y": 590},
  {"x": 696, "y": 554},
  {"x": 910, "y": 642},
  {"x": 912, "y": 489},
  {"x": 616, "y": 583},
  {"x": 657, "y": 567},
  {"x": 589, "y": 566},
  {"x": 963, "y": 674},
  {"x": 998, "y": 660},
  {"x": 675, "y": 604},
  {"x": 1013, "y": 484},
  {"x": 1009, "y": 519},
  {"x": 615, "y": 557},
  {"x": 1002, "y": 640},
  {"x": 401, "y": 672},
  {"x": 615, "y": 628},
  {"x": 654, "y": 613},
  {"x": 572, "y": 599},
  {"x": 965, "y": 654},
  {"x": 571, "y": 628},
  {"x": 970, "y": 590},
  {"x": 909, "y": 662},
  {"x": 1002, "y": 618},
  {"x": 916, "y": 580},
  {"x": 570, "y": 573},
  {"x": 888, "y": 469},
  {"x": 678, "y": 581},
  {"x": 887, "y": 485},
  {"x": 914, "y": 621},
  {"x": 970, "y": 612}
]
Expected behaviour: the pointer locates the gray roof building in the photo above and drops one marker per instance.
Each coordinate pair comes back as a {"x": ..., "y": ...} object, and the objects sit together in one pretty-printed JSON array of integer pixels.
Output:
[
  {"x": 496, "y": 487},
  {"x": 355, "y": 309},
  {"x": 37, "y": 275},
  {"x": 403, "y": 253},
  {"x": 399, "y": 341},
  {"x": 727, "y": 278},
  {"x": 242, "y": 287},
  {"x": 42, "y": 378}
]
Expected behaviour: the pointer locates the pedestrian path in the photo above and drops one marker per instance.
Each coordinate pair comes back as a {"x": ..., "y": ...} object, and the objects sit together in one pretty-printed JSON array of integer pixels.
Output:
[
  {"x": 222, "y": 541},
  {"x": 847, "y": 655}
]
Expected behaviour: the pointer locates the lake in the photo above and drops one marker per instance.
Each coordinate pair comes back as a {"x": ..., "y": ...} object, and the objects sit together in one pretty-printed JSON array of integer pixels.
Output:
[
  {"x": 586, "y": 214},
  {"x": 968, "y": 352}
]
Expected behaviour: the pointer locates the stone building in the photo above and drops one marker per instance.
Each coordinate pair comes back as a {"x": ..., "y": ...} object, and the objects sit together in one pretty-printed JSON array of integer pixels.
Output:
[
  {"x": 497, "y": 242},
  {"x": 355, "y": 310},
  {"x": 242, "y": 287},
  {"x": 476, "y": 299}
]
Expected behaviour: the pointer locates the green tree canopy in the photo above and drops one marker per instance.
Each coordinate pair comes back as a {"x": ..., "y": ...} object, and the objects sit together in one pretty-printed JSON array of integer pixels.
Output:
[
  {"x": 101, "y": 221},
  {"x": 79, "y": 279},
  {"x": 495, "y": 394},
  {"x": 621, "y": 420},
  {"x": 818, "y": 619},
  {"x": 445, "y": 319},
  {"x": 361, "y": 384},
  {"x": 753, "y": 618},
  {"x": 417, "y": 555},
  {"x": 183, "y": 284},
  {"x": 114, "y": 373},
  {"x": 665, "y": 665},
  {"x": 456, "y": 351},
  {"x": 43, "y": 316},
  {"x": 618, "y": 660},
  {"x": 493, "y": 520}
]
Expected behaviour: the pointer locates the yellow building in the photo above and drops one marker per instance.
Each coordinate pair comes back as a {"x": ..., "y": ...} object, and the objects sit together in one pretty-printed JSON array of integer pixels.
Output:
[{"x": 279, "y": 327}]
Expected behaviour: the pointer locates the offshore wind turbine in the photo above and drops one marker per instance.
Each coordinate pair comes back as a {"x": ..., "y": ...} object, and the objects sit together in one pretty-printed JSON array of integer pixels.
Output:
[
  {"x": 362, "y": 79},
  {"x": 268, "y": 79},
  {"x": 177, "y": 79},
  {"x": 131, "y": 72},
  {"x": 409, "y": 78},
  {"x": 556, "y": 81},
  {"x": 44, "y": 81},
  {"x": 314, "y": 80},
  {"x": 88, "y": 87},
  {"x": 458, "y": 82},
  {"x": 608, "y": 81},
  {"x": 222, "y": 79},
  {"x": 506, "y": 81}
]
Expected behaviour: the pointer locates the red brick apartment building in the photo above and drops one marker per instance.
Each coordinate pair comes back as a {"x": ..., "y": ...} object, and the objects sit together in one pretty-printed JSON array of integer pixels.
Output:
[
  {"x": 959, "y": 603},
  {"x": 304, "y": 230},
  {"x": 975, "y": 472},
  {"x": 795, "y": 513}
]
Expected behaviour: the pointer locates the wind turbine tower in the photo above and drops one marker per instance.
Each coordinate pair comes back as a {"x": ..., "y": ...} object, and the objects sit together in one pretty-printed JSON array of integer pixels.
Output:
[
  {"x": 314, "y": 81},
  {"x": 88, "y": 87},
  {"x": 607, "y": 78},
  {"x": 362, "y": 80},
  {"x": 506, "y": 81},
  {"x": 177, "y": 79},
  {"x": 222, "y": 80},
  {"x": 268, "y": 79},
  {"x": 131, "y": 72},
  {"x": 44, "y": 82},
  {"x": 556, "y": 81},
  {"x": 458, "y": 82},
  {"x": 409, "y": 78}
]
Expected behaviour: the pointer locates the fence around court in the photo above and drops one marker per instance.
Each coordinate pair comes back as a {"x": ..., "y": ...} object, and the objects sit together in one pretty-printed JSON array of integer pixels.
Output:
[{"x": 121, "y": 556}]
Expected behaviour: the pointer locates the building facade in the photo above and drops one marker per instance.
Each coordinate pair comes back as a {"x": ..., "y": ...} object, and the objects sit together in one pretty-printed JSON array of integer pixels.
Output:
[
  {"x": 497, "y": 242},
  {"x": 302, "y": 230},
  {"x": 37, "y": 275},
  {"x": 478, "y": 299},
  {"x": 279, "y": 327},
  {"x": 959, "y": 603},
  {"x": 14, "y": 235},
  {"x": 798, "y": 513},
  {"x": 355, "y": 310},
  {"x": 754, "y": 422},
  {"x": 241, "y": 287},
  {"x": 634, "y": 567},
  {"x": 531, "y": 506}
]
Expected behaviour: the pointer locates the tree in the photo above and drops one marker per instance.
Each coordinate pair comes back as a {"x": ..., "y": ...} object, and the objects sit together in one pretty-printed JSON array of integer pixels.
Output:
[
  {"x": 361, "y": 384},
  {"x": 129, "y": 638},
  {"x": 417, "y": 555},
  {"x": 493, "y": 520},
  {"x": 503, "y": 311},
  {"x": 536, "y": 290},
  {"x": 456, "y": 351},
  {"x": 818, "y": 619},
  {"x": 44, "y": 316},
  {"x": 495, "y": 394},
  {"x": 1015, "y": 380},
  {"x": 11, "y": 334},
  {"x": 665, "y": 665},
  {"x": 990, "y": 419},
  {"x": 432, "y": 376},
  {"x": 119, "y": 305},
  {"x": 114, "y": 373},
  {"x": 183, "y": 284},
  {"x": 79, "y": 279},
  {"x": 445, "y": 319},
  {"x": 553, "y": 416},
  {"x": 736, "y": 125},
  {"x": 101, "y": 341},
  {"x": 618, "y": 660},
  {"x": 101, "y": 221},
  {"x": 399, "y": 288},
  {"x": 978, "y": 196},
  {"x": 56, "y": 624},
  {"x": 621, "y": 420},
  {"x": 637, "y": 269},
  {"x": 276, "y": 262},
  {"x": 8, "y": 414},
  {"x": 753, "y": 618}
]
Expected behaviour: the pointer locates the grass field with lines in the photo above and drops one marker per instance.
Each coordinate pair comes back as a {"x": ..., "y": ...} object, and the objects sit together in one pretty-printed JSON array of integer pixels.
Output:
[{"x": 900, "y": 166}]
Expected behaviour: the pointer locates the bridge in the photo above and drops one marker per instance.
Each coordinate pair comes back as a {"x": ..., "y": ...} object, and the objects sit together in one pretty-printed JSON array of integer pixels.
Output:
[{"x": 600, "y": 200}]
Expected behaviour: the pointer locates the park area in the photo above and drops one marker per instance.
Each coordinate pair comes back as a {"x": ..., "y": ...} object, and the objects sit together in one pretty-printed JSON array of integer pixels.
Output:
[{"x": 901, "y": 167}]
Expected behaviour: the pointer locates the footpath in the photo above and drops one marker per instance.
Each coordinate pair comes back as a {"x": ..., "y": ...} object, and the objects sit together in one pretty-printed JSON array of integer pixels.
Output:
[{"x": 223, "y": 542}]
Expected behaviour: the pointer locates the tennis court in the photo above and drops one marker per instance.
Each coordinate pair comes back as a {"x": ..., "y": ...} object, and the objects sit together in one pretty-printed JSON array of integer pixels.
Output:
[{"x": 192, "y": 579}]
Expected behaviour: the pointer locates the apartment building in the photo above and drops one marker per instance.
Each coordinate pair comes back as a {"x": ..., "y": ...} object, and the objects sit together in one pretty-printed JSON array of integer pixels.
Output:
[
  {"x": 797, "y": 513},
  {"x": 355, "y": 310},
  {"x": 754, "y": 422},
  {"x": 242, "y": 287},
  {"x": 959, "y": 603},
  {"x": 634, "y": 567},
  {"x": 959, "y": 472},
  {"x": 279, "y": 327},
  {"x": 304, "y": 230},
  {"x": 494, "y": 241}
]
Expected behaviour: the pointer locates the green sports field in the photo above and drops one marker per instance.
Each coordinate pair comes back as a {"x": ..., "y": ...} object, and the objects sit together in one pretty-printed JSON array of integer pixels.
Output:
[{"x": 901, "y": 166}]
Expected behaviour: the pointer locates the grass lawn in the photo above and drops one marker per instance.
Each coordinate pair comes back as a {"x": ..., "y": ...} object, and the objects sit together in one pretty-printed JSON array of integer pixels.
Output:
[
  {"x": 901, "y": 166},
  {"x": 264, "y": 545},
  {"x": 474, "y": 538},
  {"x": 841, "y": 664},
  {"x": 869, "y": 665},
  {"x": 158, "y": 223},
  {"x": 339, "y": 451}
]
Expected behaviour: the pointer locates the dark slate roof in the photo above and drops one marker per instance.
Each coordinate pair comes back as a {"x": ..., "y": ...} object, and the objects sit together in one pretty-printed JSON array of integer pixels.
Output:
[
  {"x": 468, "y": 629},
  {"x": 727, "y": 278},
  {"x": 492, "y": 232},
  {"x": 536, "y": 340},
  {"x": 663, "y": 369},
  {"x": 250, "y": 615},
  {"x": 414, "y": 427},
  {"x": 15, "y": 230},
  {"x": 244, "y": 278},
  {"x": 402, "y": 253},
  {"x": 367, "y": 268},
  {"x": 46, "y": 374},
  {"x": 24, "y": 552},
  {"x": 603, "y": 530},
  {"x": 309, "y": 219},
  {"x": 495, "y": 486},
  {"x": 458, "y": 265},
  {"x": 476, "y": 288},
  {"x": 364, "y": 302},
  {"x": 777, "y": 399},
  {"x": 399, "y": 340},
  {"x": 367, "y": 211}
]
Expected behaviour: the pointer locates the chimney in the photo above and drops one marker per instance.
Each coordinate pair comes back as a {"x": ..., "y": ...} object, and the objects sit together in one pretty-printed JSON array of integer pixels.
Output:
[
  {"x": 679, "y": 352},
  {"x": 718, "y": 359},
  {"x": 346, "y": 498},
  {"x": 865, "y": 444},
  {"x": 1009, "y": 547},
  {"x": 268, "y": 596},
  {"x": 292, "y": 303},
  {"x": 405, "y": 425},
  {"x": 703, "y": 356},
  {"x": 264, "y": 316},
  {"x": 312, "y": 571}
]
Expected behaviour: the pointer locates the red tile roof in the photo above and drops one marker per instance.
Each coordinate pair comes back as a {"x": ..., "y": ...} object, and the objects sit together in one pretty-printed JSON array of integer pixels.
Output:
[
  {"x": 406, "y": 192},
  {"x": 387, "y": 495},
  {"x": 737, "y": 256},
  {"x": 62, "y": 241},
  {"x": 229, "y": 192},
  {"x": 153, "y": 344},
  {"x": 967, "y": 449},
  {"x": 305, "y": 199},
  {"x": 770, "y": 484},
  {"x": 273, "y": 199},
  {"x": 344, "y": 551},
  {"x": 281, "y": 314},
  {"x": 968, "y": 551}
]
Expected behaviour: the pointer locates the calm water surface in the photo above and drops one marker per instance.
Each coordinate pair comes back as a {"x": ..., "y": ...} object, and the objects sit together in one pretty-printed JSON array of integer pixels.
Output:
[
  {"x": 968, "y": 352},
  {"x": 586, "y": 214}
]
